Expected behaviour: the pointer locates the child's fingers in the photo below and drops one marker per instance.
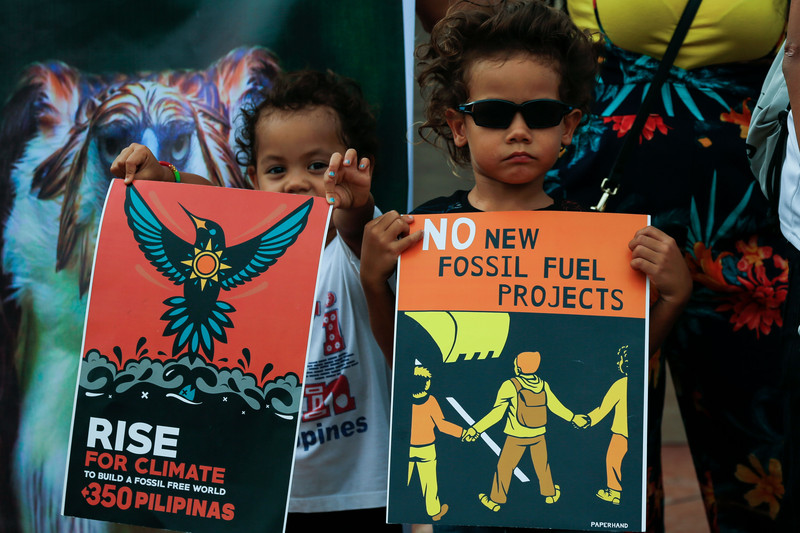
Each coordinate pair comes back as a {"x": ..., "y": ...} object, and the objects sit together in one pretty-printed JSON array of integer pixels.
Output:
[
  {"x": 331, "y": 177},
  {"x": 656, "y": 254},
  {"x": 386, "y": 220},
  {"x": 398, "y": 245},
  {"x": 652, "y": 257},
  {"x": 649, "y": 268},
  {"x": 399, "y": 227},
  {"x": 364, "y": 164},
  {"x": 408, "y": 241},
  {"x": 118, "y": 165},
  {"x": 128, "y": 161},
  {"x": 345, "y": 186},
  {"x": 135, "y": 160},
  {"x": 390, "y": 232},
  {"x": 350, "y": 157},
  {"x": 647, "y": 248},
  {"x": 648, "y": 234},
  {"x": 651, "y": 239},
  {"x": 379, "y": 223},
  {"x": 138, "y": 162}
]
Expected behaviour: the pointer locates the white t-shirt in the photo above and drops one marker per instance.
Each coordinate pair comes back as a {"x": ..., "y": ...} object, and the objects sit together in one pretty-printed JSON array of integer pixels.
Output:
[
  {"x": 789, "y": 202},
  {"x": 343, "y": 443}
]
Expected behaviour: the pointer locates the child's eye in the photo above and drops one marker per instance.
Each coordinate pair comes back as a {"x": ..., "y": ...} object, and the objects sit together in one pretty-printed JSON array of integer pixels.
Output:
[
  {"x": 276, "y": 170},
  {"x": 318, "y": 165}
]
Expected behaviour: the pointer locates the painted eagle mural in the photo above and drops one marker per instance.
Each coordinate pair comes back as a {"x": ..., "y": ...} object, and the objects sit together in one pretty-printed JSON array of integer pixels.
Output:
[{"x": 60, "y": 131}]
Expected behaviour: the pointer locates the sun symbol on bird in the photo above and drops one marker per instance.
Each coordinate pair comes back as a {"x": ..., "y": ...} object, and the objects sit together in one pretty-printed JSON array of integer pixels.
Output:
[
  {"x": 206, "y": 267},
  {"x": 206, "y": 262}
]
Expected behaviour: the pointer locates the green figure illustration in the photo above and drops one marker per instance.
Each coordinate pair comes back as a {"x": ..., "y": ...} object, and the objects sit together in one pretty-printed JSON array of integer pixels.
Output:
[
  {"x": 524, "y": 401},
  {"x": 426, "y": 416},
  {"x": 616, "y": 400}
]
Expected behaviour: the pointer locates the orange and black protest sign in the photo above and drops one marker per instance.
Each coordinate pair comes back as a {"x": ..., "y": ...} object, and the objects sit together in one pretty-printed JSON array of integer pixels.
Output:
[{"x": 517, "y": 336}]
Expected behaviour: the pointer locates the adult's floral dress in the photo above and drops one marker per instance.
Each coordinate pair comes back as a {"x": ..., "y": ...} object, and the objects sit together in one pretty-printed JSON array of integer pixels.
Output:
[{"x": 690, "y": 172}]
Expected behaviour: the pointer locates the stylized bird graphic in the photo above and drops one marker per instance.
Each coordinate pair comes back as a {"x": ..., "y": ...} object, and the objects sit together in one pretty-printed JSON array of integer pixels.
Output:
[{"x": 205, "y": 267}]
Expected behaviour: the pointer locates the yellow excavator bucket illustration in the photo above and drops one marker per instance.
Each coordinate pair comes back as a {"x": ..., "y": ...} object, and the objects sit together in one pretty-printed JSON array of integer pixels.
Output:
[{"x": 465, "y": 335}]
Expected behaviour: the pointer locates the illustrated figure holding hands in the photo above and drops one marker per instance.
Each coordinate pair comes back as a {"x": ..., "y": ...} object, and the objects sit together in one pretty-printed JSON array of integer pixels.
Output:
[
  {"x": 426, "y": 416},
  {"x": 616, "y": 400},
  {"x": 524, "y": 401}
]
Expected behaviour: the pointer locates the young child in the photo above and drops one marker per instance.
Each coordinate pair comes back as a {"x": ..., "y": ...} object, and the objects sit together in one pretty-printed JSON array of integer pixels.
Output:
[
  {"x": 506, "y": 86},
  {"x": 293, "y": 142}
]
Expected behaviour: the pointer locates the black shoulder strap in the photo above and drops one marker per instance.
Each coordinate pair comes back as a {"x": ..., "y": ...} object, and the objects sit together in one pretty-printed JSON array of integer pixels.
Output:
[{"x": 611, "y": 184}]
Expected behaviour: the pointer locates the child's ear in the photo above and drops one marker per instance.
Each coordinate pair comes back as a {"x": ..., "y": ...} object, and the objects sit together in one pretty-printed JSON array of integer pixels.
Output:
[
  {"x": 251, "y": 175},
  {"x": 571, "y": 122},
  {"x": 456, "y": 122}
]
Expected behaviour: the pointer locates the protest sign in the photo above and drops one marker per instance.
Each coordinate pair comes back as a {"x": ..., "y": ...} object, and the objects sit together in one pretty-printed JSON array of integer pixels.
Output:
[
  {"x": 520, "y": 373},
  {"x": 189, "y": 385}
]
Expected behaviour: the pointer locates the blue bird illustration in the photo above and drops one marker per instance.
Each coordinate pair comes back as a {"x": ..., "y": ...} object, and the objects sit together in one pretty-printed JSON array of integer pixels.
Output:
[{"x": 205, "y": 267}]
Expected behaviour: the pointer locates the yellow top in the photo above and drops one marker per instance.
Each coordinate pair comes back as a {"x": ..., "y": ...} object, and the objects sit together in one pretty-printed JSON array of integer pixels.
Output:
[{"x": 723, "y": 31}]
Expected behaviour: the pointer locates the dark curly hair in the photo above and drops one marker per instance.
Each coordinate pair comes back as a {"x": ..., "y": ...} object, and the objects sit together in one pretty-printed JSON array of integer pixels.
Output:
[
  {"x": 499, "y": 30},
  {"x": 303, "y": 89}
]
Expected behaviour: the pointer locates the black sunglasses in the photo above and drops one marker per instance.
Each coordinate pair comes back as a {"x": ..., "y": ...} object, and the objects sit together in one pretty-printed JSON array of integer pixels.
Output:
[{"x": 498, "y": 114}]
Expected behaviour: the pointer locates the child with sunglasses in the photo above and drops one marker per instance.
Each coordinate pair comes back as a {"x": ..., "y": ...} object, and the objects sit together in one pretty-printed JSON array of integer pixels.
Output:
[{"x": 506, "y": 87}]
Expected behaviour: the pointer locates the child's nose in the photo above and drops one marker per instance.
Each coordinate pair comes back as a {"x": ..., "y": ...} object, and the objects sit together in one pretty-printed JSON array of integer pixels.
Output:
[
  {"x": 518, "y": 130},
  {"x": 296, "y": 183}
]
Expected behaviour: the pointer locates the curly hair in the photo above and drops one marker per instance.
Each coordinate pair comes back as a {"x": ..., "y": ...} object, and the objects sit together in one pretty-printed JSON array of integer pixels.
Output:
[
  {"x": 499, "y": 30},
  {"x": 303, "y": 89}
]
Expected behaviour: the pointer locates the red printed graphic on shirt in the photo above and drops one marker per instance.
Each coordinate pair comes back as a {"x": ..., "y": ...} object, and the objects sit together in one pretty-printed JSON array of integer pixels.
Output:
[
  {"x": 327, "y": 390},
  {"x": 334, "y": 341},
  {"x": 315, "y": 395}
]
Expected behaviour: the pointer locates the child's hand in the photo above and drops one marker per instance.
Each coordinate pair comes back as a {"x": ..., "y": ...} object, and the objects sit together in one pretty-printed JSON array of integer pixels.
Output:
[
  {"x": 657, "y": 255},
  {"x": 347, "y": 185},
  {"x": 385, "y": 238},
  {"x": 138, "y": 162}
]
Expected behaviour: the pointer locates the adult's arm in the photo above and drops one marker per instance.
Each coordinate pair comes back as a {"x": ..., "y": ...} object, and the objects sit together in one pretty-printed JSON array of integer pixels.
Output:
[{"x": 791, "y": 62}]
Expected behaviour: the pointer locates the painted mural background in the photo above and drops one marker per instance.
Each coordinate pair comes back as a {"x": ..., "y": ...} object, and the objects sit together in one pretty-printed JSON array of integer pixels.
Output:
[{"x": 83, "y": 80}]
